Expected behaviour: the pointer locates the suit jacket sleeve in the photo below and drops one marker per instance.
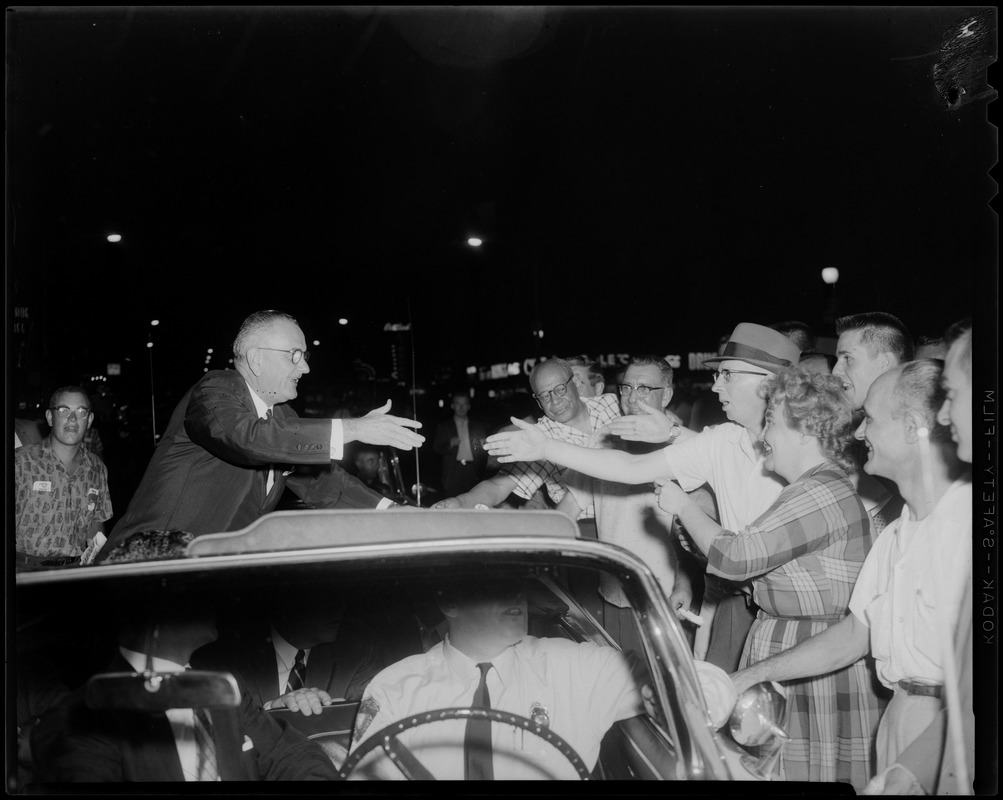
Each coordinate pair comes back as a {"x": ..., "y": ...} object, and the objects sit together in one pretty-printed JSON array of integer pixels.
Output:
[
  {"x": 333, "y": 488},
  {"x": 221, "y": 418},
  {"x": 282, "y": 753}
]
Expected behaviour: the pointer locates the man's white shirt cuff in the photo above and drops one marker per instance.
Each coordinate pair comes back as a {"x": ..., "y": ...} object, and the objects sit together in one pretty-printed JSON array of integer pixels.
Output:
[{"x": 337, "y": 440}]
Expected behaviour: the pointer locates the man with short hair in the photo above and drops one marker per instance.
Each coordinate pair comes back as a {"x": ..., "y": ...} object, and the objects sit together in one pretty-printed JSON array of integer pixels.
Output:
[
  {"x": 629, "y": 516},
  {"x": 61, "y": 490},
  {"x": 588, "y": 377},
  {"x": 231, "y": 443},
  {"x": 869, "y": 344},
  {"x": 566, "y": 416},
  {"x": 728, "y": 457},
  {"x": 909, "y": 591},
  {"x": 487, "y": 660},
  {"x": 933, "y": 761},
  {"x": 459, "y": 440}
]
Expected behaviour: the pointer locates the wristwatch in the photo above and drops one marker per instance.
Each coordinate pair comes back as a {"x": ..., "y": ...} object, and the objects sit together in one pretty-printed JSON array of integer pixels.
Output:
[{"x": 674, "y": 432}]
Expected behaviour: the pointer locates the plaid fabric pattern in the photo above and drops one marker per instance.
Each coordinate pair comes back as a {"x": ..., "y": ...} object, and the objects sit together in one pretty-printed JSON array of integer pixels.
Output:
[
  {"x": 531, "y": 475},
  {"x": 804, "y": 555}
]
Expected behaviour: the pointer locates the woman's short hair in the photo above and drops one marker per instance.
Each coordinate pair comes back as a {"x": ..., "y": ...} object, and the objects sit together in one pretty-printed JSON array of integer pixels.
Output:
[{"x": 815, "y": 405}]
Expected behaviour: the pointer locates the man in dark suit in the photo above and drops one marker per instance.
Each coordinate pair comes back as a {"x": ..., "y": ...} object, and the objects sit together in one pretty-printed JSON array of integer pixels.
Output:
[
  {"x": 306, "y": 658},
  {"x": 74, "y": 743},
  {"x": 459, "y": 440},
  {"x": 226, "y": 455}
]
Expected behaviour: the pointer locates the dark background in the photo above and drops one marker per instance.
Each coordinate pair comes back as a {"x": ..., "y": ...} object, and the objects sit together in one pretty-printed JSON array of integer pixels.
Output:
[{"x": 644, "y": 180}]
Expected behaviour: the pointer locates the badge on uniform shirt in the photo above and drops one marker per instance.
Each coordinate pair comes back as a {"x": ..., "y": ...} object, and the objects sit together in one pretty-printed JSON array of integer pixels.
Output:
[
  {"x": 42, "y": 486},
  {"x": 539, "y": 714},
  {"x": 92, "y": 490}
]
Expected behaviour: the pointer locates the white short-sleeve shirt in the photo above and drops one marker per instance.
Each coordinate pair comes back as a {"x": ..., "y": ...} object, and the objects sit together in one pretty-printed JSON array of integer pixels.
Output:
[{"x": 909, "y": 590}]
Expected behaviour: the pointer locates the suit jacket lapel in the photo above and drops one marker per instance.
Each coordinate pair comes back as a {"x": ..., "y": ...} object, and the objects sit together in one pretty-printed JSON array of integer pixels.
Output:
[{"x": 319, "y": 667}]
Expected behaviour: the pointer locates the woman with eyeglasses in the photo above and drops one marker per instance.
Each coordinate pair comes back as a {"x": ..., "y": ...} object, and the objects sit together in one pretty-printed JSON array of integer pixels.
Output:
[{"x": 803, "y": 556}]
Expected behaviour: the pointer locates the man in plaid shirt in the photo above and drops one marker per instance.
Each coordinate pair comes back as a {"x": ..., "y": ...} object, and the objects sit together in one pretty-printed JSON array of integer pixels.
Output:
[{"x": 568, "y": 417}]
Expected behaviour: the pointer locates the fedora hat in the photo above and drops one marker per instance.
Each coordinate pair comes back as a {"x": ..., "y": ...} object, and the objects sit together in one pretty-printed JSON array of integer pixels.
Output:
[{"x": 760, "y": 346}]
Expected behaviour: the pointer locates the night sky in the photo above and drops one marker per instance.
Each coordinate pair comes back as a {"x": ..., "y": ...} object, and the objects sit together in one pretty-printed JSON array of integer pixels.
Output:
[{"x": 644, "y": 178}]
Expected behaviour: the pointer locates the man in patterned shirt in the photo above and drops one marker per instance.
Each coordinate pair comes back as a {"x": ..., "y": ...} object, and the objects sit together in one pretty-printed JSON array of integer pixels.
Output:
[
  {"x": 61, "y": 489},
  {"x": 568, "y": 417}
]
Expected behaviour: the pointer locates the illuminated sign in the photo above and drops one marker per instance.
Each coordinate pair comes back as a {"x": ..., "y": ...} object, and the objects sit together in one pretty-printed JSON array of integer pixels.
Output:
[
  {"x": 114, "y": 369},
  {"x": 393, "y": 327}
]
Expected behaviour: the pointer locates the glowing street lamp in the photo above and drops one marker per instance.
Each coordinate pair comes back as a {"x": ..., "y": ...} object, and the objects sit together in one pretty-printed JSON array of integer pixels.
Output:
[{"x": 114, "y": 238}]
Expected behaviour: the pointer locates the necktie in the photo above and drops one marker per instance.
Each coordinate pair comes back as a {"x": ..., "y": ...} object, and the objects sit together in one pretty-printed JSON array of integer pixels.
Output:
[
  {"x": 297, "y": 677},
  {"x": 477, "y": 741},
  {"x": 208, "y": 769}
]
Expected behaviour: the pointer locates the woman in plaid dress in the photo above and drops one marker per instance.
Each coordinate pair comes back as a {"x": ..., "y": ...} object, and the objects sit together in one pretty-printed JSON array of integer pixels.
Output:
[{"x": 803, "y": 556}]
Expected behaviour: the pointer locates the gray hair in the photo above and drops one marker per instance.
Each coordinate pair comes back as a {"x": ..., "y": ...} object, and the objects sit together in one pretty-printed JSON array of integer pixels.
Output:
[{"x": 254, "y": 325}]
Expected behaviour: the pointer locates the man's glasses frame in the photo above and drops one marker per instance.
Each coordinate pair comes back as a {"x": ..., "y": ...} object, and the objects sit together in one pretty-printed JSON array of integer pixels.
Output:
[
  {"x": 558, "y": 391},
  {"x": 642, "y": 391},
  {"x": 725, "y": 374},
  {"x": 295, "y": 354},
  {"x": 63, "y": 412}
]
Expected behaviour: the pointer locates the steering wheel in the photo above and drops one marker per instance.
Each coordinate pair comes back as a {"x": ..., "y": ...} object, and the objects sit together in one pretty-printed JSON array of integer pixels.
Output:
[{"x": 412, "y": 769}]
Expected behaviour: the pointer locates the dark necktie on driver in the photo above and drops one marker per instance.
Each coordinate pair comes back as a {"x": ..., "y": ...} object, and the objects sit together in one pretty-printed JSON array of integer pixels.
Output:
[
  {"x": 297, "y": 677},
  {"x": 477, "y": 741}
]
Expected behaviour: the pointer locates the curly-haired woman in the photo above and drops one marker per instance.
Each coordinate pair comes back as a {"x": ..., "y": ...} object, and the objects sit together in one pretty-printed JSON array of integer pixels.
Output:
[{"x": 803, "y": 555}]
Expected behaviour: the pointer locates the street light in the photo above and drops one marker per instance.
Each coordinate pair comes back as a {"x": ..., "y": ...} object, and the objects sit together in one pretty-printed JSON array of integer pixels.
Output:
[{"x": 829, "y": 277}]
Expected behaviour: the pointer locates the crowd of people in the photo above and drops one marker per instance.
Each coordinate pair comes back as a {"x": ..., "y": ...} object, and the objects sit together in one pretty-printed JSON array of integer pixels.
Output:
[{"x": 818, "y": 520}]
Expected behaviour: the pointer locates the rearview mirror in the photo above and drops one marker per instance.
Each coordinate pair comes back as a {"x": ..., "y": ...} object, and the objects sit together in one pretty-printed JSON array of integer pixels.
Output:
[{"x": 159, "y": 691}]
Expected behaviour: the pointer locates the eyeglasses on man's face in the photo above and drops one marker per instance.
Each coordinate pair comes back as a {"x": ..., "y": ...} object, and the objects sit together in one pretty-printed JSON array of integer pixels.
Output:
[
  {"x": 296, "y": 355},
  {"x": 724, "y": 375},
  {"x": 642, "y": 391},
  {"x": 558, "y": 391},
  {"x": 63, "y": 412}
]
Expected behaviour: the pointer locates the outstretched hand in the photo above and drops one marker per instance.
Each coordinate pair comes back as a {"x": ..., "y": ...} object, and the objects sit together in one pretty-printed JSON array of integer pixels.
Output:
[
  {"x": 653, "y": 426},
  {"x": 670, "y": 497},
  {"x": 380, "y": 428},
  {"x": 527, "y": 444}
]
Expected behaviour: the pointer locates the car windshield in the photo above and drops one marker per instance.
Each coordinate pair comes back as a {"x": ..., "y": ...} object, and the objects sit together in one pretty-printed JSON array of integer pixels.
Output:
[{"x": 375, "y": 608}]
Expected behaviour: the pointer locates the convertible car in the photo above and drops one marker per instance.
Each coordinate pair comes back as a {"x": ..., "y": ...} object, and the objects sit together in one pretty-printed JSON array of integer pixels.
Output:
[{"x": 380, "y": 570}]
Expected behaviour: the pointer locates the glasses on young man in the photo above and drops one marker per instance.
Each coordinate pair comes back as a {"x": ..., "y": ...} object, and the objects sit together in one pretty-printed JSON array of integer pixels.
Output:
[
  {"x": 724, "y": 375},
  {"x": 642, "y": 391},
  {"x": 63, "y": 412},
  {"x": 296, "y": 355},
  {"x": 558, "y": 391}
]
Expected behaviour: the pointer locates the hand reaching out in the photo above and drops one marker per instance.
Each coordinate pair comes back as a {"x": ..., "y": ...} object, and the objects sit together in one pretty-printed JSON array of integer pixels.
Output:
[
  {"x": 527, "y": 444},
  {"x": 380, "y": 428},
  {"x": 652, "y": 426},
  {"x": 670, "y": 497}
]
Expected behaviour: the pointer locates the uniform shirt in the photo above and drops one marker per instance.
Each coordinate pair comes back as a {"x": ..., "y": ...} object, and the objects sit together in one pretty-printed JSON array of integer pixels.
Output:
[
  {"x": 54, "y": 511},
  {"x": 581, "y": 687},
  {"x": 531, "y": 475},
  {"x": 182, "y": 719},
  {"x": 724, "y": 456},
  {"x": 911, "y": 581}
]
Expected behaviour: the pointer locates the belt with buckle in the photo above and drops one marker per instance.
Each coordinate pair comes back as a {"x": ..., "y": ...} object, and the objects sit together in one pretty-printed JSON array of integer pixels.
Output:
[
  {"x": 923, "y": 689},
  {"x": 46, "y": 561}
]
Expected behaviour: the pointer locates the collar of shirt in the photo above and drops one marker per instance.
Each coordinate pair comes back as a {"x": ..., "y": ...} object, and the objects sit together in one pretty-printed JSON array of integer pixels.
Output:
[
  {"x": 465, "y": 668},
  {"x": 83, "y": 457},
  {"x": 138, "y": 662},
  {"x": 602, "y": 410},
  {"x": 286, "y": 653},
  {"x": 259, "y": 405}
]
